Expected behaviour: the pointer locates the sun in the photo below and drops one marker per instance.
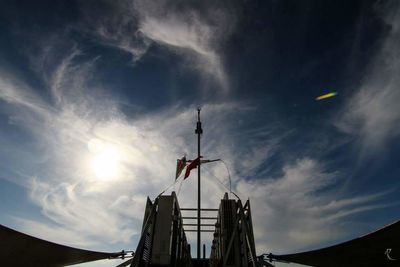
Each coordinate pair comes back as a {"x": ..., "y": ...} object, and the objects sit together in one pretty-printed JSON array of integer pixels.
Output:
[{"x": 105, "y": 160}]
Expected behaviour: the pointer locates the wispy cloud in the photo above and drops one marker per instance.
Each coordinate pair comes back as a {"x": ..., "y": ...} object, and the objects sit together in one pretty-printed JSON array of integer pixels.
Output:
[
  {"x": 110, "y": 210},
  {"x": 66, "y": 188},
  {"x": 115, "y": 24},
  {"x": 294, "y": 214},
  {"x": 197, "y": 34},
  {"x": 372, "y": 113}
]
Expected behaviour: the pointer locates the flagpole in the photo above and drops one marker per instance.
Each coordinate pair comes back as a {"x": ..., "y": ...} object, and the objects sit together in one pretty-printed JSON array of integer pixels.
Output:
[{"x": 198, "y": 131}]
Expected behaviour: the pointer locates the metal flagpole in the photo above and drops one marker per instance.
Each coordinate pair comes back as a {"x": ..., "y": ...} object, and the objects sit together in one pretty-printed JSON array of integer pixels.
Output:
[{"x": 198, "y": 131}]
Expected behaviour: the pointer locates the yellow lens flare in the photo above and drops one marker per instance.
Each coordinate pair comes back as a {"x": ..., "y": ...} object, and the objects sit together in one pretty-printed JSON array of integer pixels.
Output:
[{"x": 325, "y": 96}]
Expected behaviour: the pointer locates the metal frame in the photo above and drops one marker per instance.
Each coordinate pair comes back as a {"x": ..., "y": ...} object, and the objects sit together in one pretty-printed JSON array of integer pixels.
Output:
[
  {"x": 163, "y": 214},
  {"x": 233, "y": 243}
]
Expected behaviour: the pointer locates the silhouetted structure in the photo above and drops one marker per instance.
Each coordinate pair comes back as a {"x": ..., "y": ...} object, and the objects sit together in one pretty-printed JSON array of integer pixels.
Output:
[
  {"x": 233, "y": 243},
  {"x": 163, "y": 241}
]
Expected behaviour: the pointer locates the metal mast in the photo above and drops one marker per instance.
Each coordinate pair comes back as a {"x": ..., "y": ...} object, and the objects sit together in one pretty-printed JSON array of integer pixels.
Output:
[{"x": 198, "y": 131}]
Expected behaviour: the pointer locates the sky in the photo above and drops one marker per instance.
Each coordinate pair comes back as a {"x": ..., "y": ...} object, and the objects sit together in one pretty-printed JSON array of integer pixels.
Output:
[{"x": 98, "y": 99}]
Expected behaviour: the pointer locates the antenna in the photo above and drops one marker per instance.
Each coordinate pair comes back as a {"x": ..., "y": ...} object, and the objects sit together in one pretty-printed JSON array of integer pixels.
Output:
[{"x": 198, "y": 131}]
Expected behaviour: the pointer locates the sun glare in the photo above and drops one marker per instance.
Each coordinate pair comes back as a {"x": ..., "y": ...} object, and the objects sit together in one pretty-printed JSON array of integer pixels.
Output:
[{"x": 105, "y": 159}]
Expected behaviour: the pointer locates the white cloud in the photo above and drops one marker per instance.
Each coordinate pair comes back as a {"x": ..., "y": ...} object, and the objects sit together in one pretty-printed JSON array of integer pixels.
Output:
[
  {"x": 110, "y": 211},
  {"x": 17, "y": 93},
  {"x": 186, "y": 30},
  {"x": 196, "y": 34},
  {"x": 290, "y": 213},
  {"x": 66, "y": 189},
  {"x": 373, "y": 113},
  {"x": 119, "y": 30}
]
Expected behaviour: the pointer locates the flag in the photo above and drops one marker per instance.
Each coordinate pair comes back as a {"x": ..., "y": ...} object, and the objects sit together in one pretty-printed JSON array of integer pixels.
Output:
[
  {"x": 180, "y": 165},
  {"x": 192, "y": 165}
]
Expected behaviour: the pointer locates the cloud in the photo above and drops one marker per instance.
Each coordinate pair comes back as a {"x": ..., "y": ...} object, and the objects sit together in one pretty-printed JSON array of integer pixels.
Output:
[
  {"x": 109, "y": 211},
  {"x": 187, "y": 30},
  {"x": 17, "y": 93},
  {"x": 64, "y": 185},
  {"x": 372, "y": 113},
  {"x": 114, "y": 24},
  {"x": 294, "y": 214},
  {"x": 195, "y": 33}
]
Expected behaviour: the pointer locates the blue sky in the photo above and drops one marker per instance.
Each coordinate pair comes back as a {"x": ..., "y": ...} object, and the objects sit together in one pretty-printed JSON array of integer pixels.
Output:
[{"x": 98, "y": 99}]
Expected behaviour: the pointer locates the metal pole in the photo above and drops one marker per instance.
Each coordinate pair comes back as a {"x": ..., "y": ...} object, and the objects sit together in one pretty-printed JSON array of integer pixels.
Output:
[{"x": 198, "y": 131}]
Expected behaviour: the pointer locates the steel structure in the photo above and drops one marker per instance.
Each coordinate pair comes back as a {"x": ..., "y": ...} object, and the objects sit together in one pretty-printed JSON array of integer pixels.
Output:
[
  {"x": 233, "y": 244},
  {"x": 163, "y": 241}
]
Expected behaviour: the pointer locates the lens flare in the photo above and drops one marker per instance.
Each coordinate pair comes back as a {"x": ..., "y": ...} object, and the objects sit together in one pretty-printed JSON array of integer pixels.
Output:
[{"x": 325, "y": 96}]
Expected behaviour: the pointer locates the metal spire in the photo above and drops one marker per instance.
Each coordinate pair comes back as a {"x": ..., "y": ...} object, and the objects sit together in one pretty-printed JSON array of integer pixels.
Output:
[{"x": 198, "y": 131}]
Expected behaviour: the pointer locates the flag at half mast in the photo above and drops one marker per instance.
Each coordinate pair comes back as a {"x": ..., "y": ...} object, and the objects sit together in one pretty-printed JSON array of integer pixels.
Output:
[
  {"x": 180, "y": 165},
  {"x": 191, "y": 166}
]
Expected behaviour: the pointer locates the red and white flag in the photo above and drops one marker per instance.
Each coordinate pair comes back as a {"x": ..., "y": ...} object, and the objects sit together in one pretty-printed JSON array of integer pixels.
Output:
[
  {"x": 192, "y": 165},
  {"x": 180, "y": 165}
]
